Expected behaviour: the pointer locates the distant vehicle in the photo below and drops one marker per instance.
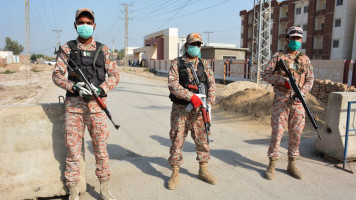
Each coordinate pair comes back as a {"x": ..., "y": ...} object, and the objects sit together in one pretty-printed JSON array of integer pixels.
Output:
[{"x": 52, "y": 62}]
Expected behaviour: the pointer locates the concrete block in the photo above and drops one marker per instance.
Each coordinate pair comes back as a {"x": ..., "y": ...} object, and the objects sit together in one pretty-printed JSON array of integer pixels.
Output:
[
  {"x": 32, "y": 152},
  {"x": 334, "y": 131}
]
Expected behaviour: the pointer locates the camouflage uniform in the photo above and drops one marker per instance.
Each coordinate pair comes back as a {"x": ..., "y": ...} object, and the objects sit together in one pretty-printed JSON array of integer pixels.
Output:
[
  {"x": 183, "y": 121},
  {"x": 285, "y": 109},
  {"x": 80, "y": 113}
]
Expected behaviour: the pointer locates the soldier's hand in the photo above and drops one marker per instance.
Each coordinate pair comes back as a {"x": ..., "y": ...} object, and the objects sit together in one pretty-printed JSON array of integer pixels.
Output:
[
  {"x": 79, "y": 87},
  {"x": 98, "y": 90},
  {"x": 196, "y": 101}
]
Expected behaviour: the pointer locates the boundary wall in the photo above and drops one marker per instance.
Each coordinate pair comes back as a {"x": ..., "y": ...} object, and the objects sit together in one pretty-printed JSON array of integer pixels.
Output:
[{"x": 32, "y": 152}]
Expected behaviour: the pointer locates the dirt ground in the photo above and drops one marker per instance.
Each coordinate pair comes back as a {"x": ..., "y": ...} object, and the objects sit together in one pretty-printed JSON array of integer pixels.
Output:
[{"x": 21, "y": 86}]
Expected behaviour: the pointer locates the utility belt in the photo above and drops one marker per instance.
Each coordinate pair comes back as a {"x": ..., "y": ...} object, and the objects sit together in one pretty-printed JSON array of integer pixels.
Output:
[{"x": 76, "y": 94}]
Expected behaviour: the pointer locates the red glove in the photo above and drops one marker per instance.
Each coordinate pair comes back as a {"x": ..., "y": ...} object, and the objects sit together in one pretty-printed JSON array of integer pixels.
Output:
[
  {"x": 196, "y": 101},
  {"x": 287, "y": 84}
]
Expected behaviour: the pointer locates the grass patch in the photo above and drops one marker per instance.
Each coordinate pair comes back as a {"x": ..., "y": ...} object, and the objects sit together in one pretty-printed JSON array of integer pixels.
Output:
[
  {"x": 7, "y": 72},
  {"x": 146, "y": 70},
  {"x": 35, "y": 70}
]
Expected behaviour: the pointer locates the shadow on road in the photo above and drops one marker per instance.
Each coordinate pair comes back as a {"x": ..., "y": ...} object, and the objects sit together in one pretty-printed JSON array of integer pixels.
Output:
[
  {"x": 149, "y": 85},
  {"x": 144, "y": 93},
  {"x": 92, "y": 192},
  {"x": 228, "y": 156},
  {"x": 144, "y": 163}
]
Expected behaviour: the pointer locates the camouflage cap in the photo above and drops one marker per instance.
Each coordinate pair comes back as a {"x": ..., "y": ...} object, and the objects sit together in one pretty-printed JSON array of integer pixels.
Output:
[
  {"x": 295, "y": 31},
  {"x": 194, "y": 37},
  {"x": 81, "y": 10}
]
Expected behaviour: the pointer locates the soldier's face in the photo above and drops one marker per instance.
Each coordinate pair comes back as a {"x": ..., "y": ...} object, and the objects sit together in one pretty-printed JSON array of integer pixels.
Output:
[
  {"x": 84, "y": 20},
  {"x": 295, "y": 38}
]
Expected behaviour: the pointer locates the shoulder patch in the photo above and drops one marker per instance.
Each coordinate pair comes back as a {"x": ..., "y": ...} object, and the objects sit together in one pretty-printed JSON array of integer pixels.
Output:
[{"x": 112, "y": 57}]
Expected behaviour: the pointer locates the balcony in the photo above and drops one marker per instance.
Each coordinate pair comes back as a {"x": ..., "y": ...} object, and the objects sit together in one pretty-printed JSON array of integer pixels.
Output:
[
  {"x": 319, "y": 32},
  {"x": 317, "y": 51},
  {"x": 320, "y": 12},
  {"x": 283, "y": 20}
]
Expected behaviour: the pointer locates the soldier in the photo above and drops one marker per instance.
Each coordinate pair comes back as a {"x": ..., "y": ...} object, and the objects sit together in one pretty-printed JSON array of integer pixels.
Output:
[
  {"x": 80, "y": 107},
  {"x": 286, "y": 109},
  {"x": 182, "y": 121}
]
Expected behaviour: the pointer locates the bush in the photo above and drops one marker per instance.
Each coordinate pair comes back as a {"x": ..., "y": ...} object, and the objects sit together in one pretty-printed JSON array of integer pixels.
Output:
[{"x": 8, "y": 72}]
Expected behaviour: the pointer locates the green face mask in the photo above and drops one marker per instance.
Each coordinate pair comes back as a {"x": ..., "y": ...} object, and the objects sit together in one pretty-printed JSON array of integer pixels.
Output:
[
  {"x": 193, "y": 50},
  {"x": 294, "y": 45},
  {"x": 85, "y": 31}
]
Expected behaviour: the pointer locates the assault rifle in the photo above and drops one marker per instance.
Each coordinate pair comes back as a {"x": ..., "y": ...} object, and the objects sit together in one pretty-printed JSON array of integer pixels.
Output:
[
  {"x": 201, "y": 94},
  {"x": 82, "y": 78},
  {"x": 298, "y": 95}
]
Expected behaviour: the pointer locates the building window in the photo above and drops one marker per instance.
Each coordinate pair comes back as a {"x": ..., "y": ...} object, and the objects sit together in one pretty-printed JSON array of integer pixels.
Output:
[
  {"x": 337, "y": 22},
  {"x": 229, "y": 57},
  {"x": 339, "y": 2},
  {"x": 271, "y": 15},
  {"x": 322, "y": 26},
  {"x": 299, "y": 11},
  {"x": 305, "y": 27},
  {"x": 304, "y": 45},
  {"x": 335, "y": 43},
  {"x": 306, "y": 9},
  {"x": 286, "y": 14}
]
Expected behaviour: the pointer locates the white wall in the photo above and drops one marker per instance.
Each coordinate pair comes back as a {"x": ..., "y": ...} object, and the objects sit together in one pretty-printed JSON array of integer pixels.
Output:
[
  {"x": 170, "y": 43},
  {"x": 344, "y": 33},
  {"x": 8, "y": 55}
]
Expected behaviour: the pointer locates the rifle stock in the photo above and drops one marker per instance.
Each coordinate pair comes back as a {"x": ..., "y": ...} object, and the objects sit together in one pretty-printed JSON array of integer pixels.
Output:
[
  {"x": 82, "y": 78},
  {"x": 298, "y": 94}
]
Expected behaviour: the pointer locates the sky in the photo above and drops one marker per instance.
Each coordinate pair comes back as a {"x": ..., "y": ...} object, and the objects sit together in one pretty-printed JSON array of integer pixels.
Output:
[{"x": 222, "y": 17}]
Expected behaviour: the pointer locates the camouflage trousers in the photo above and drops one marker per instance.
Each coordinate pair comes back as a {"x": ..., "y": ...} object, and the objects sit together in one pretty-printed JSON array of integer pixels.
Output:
[
  {"x": 181, "y": 122},
  {"x": 99, "y": 133},
  {"x": 293, "y": 114}
]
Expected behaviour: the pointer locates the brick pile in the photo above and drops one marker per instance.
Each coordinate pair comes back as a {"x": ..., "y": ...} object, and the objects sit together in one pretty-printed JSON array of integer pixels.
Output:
[{"x": 322, "y": 88}]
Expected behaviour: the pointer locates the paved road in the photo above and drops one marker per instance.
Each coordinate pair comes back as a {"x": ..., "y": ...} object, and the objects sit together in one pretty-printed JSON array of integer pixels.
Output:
[{"x": 139, "y": 151}]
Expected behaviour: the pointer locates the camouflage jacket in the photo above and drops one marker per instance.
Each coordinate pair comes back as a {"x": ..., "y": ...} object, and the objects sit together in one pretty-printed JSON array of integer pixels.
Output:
[
  {"x": 182, "y": 93},
  {"x": 300, "y": 66},
  {"x": 77, "y": 104}
]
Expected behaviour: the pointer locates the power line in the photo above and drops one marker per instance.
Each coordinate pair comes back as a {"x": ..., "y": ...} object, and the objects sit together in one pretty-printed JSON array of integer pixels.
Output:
[
  {"x": 54, "y": 18},
  {"x": 186, "y": 3},
  {"x": 36, "y": 51},
  {"x": 39, "y": 24}
]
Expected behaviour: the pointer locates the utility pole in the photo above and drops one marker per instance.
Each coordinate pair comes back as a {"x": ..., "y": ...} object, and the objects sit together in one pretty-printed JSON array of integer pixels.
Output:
[
  {"x": 28, "y": 42},
  {"x": 261, "y": 39},
  {"x": 126, "y": 6},
  {"x": 182, "y": 40},
  {"x": 113, "y": 44},
  {"x": 58, "y": 36},
  {"x": 208, "y": 32}
]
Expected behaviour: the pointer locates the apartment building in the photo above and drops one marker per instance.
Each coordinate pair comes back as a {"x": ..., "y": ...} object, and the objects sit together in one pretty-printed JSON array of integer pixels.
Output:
[{"x": 329, "y": 27}]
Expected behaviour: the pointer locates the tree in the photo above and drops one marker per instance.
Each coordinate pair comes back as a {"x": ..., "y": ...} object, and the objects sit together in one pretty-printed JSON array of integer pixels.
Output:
[
  {"x": 121, "y": 54},
  {"x": 34, "y": 56},
  {"x": 13, "y": 45}
]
